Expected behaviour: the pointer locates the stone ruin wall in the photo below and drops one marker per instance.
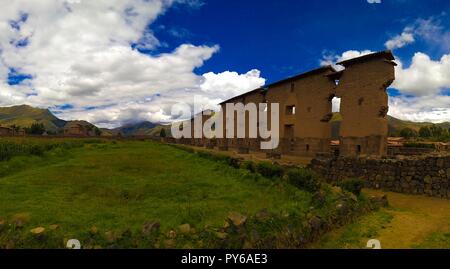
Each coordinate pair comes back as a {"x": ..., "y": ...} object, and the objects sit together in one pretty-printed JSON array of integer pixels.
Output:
[
  {"x": 364, "y": 105},
  {"x": 427, "y": 175}
]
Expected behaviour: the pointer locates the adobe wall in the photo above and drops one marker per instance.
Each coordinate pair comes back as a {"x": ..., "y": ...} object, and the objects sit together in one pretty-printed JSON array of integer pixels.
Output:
[
  {"x": 307, "y": 132},
  {"x": 364, "y": 106},
  {"x": 428, "y": 175},
  {"x": 310, "y": 96}
]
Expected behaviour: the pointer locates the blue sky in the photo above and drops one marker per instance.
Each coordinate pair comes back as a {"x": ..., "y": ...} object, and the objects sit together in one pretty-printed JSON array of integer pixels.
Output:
[
  {"x": 282, "y": 38},
  {"x": 113, "y": 62}
]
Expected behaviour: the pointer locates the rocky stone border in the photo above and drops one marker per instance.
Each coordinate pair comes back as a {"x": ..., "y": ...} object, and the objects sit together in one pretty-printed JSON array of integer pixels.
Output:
[{"x": 428, "y": 175}]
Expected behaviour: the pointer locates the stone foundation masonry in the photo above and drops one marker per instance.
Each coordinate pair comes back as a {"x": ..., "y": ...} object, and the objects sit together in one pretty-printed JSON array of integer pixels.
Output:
[{"x": 429, "y": 175}]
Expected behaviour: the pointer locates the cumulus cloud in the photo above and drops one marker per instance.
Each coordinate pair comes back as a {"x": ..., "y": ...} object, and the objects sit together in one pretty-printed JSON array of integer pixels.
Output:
[
  {"x": 400, "y": 41},
  {"x": 374, "y": 1},
  {"x": 332, "y": 59},
  {"x": 432, "y": 108},
  {"x": 430, "y": 30},
  {"x": 85, "y": 53},
  {"x": 211, "y": 90},
  {"x": 424, "y": 76}
]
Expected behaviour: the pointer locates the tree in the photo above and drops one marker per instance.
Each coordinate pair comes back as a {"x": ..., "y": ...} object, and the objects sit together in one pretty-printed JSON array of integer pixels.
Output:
[
  {"x": 36, "y": 129},
  {"x": 425, "y": 132},
  {"x": 408, "y": 133},
  {"x": 162, "y": 133},
  {"x": 436, "y": 131},
  {"x": 97, "y": 131},
  {"x": 15, "y": 128}
]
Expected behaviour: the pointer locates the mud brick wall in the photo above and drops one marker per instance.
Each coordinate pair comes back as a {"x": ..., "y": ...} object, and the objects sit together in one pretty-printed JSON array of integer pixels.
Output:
[{"x": 429, "y": 175}]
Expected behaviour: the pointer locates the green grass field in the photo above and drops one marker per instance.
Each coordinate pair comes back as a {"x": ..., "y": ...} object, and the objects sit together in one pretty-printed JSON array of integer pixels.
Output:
[{"x": 121, "y": 185}]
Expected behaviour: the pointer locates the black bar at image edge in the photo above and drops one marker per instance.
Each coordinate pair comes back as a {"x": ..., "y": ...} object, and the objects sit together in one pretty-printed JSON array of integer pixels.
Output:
[{"x": 223, "y": 258}]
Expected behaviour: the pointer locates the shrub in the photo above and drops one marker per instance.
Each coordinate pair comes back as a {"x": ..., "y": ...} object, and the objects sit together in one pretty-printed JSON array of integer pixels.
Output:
[
  {"x": 304, "y": 179},
  {"x": 419, "y": 145},
  {"x": 353, "y": 185},
  {"x": 269, "y": 170},
  {"x": 249, "y": 165}
]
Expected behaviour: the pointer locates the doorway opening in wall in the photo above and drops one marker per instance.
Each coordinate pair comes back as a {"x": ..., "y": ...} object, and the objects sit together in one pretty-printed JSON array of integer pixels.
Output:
[
  {"x": 337, "y": 117},
  {"x": 290, "y": 110},
  {"x": 289, "y": 135},
  {"x": 307, "y": 147},
  {"x": 289, "y": 131},
  {"x": 336, "y": 104},
  {"x": 358, "y": 149}
]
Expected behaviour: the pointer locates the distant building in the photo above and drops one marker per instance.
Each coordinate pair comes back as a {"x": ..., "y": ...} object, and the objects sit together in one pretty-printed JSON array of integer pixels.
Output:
[
  {"x": 19, "y": 132},
  {"x": 4, "y": 131},
  {"x": 75, "y": 129}
]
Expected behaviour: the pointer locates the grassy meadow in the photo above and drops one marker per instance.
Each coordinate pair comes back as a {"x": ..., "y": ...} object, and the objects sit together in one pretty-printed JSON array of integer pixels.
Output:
[
  {"x": 144, "y": 194},
  {"x": 116, "y": 186}
]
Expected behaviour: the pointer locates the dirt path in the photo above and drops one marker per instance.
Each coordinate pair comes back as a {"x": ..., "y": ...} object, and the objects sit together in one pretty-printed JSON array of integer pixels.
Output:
[{"x": 409, "y": 222}]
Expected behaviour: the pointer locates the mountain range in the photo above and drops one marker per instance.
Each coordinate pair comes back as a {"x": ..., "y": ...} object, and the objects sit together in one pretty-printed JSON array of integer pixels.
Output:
[{"x": 24, "y": 116}]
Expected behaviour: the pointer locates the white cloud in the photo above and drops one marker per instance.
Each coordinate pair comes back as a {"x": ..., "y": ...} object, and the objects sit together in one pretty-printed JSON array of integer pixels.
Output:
[
  {"x": 400, "y": 41},
  {"x": 424, "y": 76},
  {"x": 332, "y": 59},
  {"x": 374, "y": 1},
  {"x": 430, "y": 30},
  {"x": 432, "y": 108},
  {"x": 80, "y": 53},
  {"x": 211, "y": 90}
]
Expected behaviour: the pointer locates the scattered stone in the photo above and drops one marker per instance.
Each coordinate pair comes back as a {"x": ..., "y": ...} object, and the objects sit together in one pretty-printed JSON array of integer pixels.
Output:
[
  {"x": 169, "y": 243},
  {"x": 315, "y": 223},
  {"x": 53, "y": 227},
  {"x": 237, "y": 219},
  {"x": 379, "y": 201},
  {"x": 19, "y": 220},
  {"x": 184, "y": 228},
  {"x": 150, "y": 227},
  {"x": 38, "y": 230},
  {"x": 172, "y": 234},
  {"x": 110, "y": 236},
  {"x": 221, "y": 235},
  {"x": 342, "y": 208},
  {"x": 263, "y": 215},
  {"x": 93, "y": 230}
]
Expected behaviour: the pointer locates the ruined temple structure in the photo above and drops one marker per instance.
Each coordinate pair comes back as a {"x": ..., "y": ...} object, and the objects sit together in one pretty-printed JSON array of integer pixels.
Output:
[{"x": 305, "y": 103}]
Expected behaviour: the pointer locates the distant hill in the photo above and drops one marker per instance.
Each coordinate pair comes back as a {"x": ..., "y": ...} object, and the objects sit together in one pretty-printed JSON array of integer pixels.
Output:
[
  {"x": 394, "y": 125},
  {"x": 24, "y": 116},
  {"x": 141, "y": 128}
]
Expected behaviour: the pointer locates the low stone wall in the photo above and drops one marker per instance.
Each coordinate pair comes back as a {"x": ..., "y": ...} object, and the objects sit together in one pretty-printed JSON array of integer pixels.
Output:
[{"x": 428, "y": 175}]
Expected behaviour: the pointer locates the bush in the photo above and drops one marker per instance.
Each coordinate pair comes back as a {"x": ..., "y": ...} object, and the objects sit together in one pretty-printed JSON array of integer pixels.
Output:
[
  {"x": 419, "y": 145},
  {"x": 353, "y": 185},
  {"x": 269, "y": 170},
  {"x": 249, "y": 165},
  {"x": 304, "y": 179}
]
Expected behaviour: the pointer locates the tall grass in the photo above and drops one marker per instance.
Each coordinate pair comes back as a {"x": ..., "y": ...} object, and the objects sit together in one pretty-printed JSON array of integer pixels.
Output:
[{"x": 11, "y": 147}]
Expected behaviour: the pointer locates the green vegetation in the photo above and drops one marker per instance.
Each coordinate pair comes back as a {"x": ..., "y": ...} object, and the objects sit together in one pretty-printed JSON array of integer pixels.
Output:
[
  {"x": 353, "y": 185},
  {"x": 356, "y": 235},
  {"x": 419, "y": 145},
  {"x": 269, "y": 170},
  {"x": 10, "y": 147},
  {"x": 146, "y": 195},
  {"x": 436, "y": 240},
  {"x": 431, "y": 132},
  {"x": 304, "y": 179}
]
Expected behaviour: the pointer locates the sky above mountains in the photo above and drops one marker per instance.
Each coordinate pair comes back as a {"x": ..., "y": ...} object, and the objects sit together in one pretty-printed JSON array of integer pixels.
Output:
[{"x": 117, "y": 61}]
